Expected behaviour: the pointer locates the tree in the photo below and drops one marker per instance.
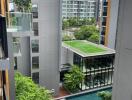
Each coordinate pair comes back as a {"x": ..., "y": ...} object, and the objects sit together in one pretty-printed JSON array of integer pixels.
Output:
[
  {"x": 67, "y": 38},
  {"x": 73, "y": 79},
  {"x": 94, "y": 38},
  {"x": 26, "y": 89},
  {"x": 93, "y": 21},
  {"x": 65, "y": 24},
  {"x": 23, "y": 5},
  {"x": 105, "y": 95},
  {"x": 85, "y": 32}
]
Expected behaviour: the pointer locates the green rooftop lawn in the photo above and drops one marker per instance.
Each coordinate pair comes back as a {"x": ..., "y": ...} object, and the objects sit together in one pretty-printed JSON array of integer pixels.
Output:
[{"x": 85, "y": 47}]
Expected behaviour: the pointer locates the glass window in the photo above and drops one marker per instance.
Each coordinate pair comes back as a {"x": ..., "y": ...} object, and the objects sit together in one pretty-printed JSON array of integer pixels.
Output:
[
  {"x": 15, "y": 63},
  {"x": 35, "y": 10},
  {"x": 16, "y": 45},
  {"x": 35, "y": 77},
  {"x": 35, "y": 28},
  {"x": 35, "y": 46},
  {"x": 35, "y": 62}
]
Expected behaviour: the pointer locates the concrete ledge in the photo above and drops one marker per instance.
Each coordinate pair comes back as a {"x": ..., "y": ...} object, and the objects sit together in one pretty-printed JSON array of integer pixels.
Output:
[{"x": 83, "y": 92}]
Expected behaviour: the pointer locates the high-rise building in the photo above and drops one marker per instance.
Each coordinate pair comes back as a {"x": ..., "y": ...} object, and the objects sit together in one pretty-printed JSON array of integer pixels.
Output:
[
  {"x": 7, "y": 85},
  {"x": 80, "y": 8},
  {"x": 105, "y": 22},
  {"x": 46, "y": 43},
  {"x": 37, "y": 53},
  {"x": 123, "y": 63}
]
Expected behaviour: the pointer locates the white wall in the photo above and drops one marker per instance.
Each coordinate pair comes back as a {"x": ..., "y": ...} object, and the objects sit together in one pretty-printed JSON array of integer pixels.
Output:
[
  {"x": 66, "y": 56},
  {"x": 49, "y": 43},
  {"x": 113, "y": 23},
  {"x": 122, "y": 88}
]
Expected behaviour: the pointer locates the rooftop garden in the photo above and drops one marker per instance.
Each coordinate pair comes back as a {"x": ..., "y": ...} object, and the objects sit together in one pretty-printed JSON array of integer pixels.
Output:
[{"x": 84, "y": 46}]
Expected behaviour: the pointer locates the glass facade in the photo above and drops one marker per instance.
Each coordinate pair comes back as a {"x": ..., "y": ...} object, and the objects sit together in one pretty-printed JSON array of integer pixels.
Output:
[
  {"x": 19, "y": 22},
  {"x": 98, "y": 70}
]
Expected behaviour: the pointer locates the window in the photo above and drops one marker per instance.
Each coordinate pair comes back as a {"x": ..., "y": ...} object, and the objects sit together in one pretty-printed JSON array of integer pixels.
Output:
[
  {"x": 16, "y": 45},
  {"x": 35, "y": 62},
  {"x": 35, "y": 10},
  {"x": 35, "y": 46},
  {"x": 15, "y": 63},
  {"x": 35, "y": 28},
  {"x": 35, "y": 77}
]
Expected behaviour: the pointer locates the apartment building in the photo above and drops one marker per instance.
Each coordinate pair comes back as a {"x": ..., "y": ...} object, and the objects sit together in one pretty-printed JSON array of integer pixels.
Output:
[
  {"x": 36, "y": 53},
  {"x": 122, "y": 79},
  {"x": 80, "y": 8},
  {"x": 105, "y": 22},
  {"x": 46, "y": 43},
  {"x": 108, "y": 23},
  {"x": 7, "y": 86}
]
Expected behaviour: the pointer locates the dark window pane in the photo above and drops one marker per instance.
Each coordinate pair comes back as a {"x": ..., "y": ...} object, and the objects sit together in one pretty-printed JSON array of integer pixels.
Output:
[
  {"x": 35, "y": 10},
  {"x": 35, "y": 77},
  {"x": 35, "y": 28},
  {"x": 35, "y": 62},
  {"x": 35, "y": 46}
]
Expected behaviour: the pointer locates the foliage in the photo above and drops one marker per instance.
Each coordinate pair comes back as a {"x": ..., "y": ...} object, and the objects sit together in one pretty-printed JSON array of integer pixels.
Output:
[
  {"x": 94, "y": 38},
  {"x": 67, "y": 38},
  {"x": 73, "y": 79},
  {"x": 26, "y": 89},
  {"x": 76, "y": 22},
  {"x": 105, "y": 95},
  {"x": 23, "y": 5},
  {"x": 87, "y": 33},
  {"x": 65, "y": 24}
]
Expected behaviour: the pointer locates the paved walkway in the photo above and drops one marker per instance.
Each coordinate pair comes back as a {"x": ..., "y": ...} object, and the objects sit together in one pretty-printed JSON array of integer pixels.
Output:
[{"x": 62, "y": 92}]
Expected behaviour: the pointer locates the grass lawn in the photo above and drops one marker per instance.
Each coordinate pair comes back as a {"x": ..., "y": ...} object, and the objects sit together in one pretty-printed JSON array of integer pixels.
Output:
[{"x": 85, "y": 47}]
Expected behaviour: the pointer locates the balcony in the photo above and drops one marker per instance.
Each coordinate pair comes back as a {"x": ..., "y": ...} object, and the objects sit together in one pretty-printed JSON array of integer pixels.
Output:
[{"x": 19, "y": 22}]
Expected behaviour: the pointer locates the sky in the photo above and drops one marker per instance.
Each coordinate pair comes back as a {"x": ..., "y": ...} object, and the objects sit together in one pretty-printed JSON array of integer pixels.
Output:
[{"x": 11, "y": 7}]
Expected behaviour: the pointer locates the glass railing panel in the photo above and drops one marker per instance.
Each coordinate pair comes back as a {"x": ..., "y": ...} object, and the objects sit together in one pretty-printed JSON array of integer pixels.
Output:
[{"x": 19, "y": 21}]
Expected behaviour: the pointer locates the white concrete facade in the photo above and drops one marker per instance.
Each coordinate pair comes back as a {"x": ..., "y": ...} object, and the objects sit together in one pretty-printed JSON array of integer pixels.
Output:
[
  {"x": 49, "y": 43},
  {"x": 122, "y": 88},
  {"x": 80, "y": 8}
]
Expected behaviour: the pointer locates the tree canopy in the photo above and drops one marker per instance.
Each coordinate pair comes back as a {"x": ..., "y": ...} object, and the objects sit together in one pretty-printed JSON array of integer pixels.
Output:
[
  {"x": 77, "y": 22},
  {"x": 26, "y": 89},
  {"x": 90, "y": 33},
  {"x": 23, "y": 5}
]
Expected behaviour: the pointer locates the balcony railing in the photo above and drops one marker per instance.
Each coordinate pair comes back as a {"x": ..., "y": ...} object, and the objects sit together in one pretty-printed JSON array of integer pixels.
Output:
[{"x": 19, "y": 21}]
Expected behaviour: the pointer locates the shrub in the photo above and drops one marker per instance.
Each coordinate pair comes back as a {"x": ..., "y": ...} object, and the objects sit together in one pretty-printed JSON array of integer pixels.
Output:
[
  {"x": 105, "y": 95},
  {"x": 73, "y": 79},
  {"x": 67, "y": 38},
  {"x": 94, "y": 38},
  {"x": 26, "y": 89}
]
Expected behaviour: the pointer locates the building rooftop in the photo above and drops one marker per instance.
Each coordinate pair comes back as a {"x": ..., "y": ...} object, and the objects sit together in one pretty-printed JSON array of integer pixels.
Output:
[{"x": 86, "y": 49}]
